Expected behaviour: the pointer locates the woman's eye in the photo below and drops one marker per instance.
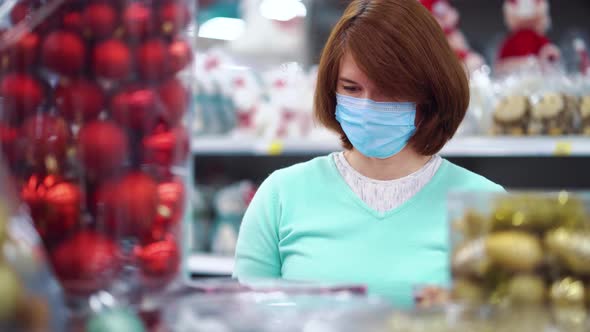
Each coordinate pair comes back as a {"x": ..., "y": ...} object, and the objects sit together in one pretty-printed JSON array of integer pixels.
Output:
[{"x": 351, "y": 88}]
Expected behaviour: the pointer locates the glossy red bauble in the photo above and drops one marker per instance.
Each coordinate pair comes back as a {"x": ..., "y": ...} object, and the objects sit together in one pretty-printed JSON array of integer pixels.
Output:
[
  {"x": 171, "y": 203},
  {"x": 26, "y": 9},
  {"x": 152, "y": 59},
  {"x": 112, "y": 60},
  {"x": 173, "y": 17},
  {"x": 135, "y": 107},
  {"x": 54, "y": 204},
  {"x": 160, "y": 259},
  {"x": 138, "y": 20},
  {"x": 21, "y": 95},
  {"x": 99, "y": 20},
  {"x": 165, "y": 148},
  {"x": 45, "y": 136},
  {"x": 9, "y": 138},
  {"x": 175, "y": 100},
  {"x": 128, "y": 206},
  {"x": 20, "y": 11},
  {"x": 72, "y": 21},
  {"x": 103, "y": 147},
  {"x": 24, "y": 53},
  {"x": 79, "y": 100},
  {"x": 63, "y": 52},
  {"x": 180, "y": 55},
  {"x": 86, "y": 262}
]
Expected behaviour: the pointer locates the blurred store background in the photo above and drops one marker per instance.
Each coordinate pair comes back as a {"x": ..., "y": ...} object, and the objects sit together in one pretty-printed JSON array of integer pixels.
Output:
[{"x": 255, "y": 83}]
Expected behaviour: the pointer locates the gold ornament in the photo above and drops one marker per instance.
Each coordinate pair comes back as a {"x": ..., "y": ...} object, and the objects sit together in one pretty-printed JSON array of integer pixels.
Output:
[{"x": 514, "y": 251}]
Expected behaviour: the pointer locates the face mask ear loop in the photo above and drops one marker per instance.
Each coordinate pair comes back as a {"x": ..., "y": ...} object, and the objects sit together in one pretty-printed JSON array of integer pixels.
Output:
[{"x": 418, "y": 111}]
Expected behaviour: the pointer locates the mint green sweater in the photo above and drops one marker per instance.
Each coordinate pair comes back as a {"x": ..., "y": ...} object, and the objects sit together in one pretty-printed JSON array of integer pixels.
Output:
[{"x": 306, "y": 224}]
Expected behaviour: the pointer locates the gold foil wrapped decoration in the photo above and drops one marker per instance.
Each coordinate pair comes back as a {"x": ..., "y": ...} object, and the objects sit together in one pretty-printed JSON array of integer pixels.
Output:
[
  {"x": 472, "y": 225},
  {"x": 468, "y": 292},
  {"x": 527, "y": 289},
  {"x": 470, "y": 259},
  {"x": 571, "y": 248},
  {"x": 514, "y": 251},
  {"x": 537, "y": 213},
  {"x": 568, "y": 292}
]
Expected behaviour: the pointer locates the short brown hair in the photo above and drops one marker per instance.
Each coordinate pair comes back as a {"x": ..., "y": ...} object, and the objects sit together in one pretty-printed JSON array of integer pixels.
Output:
[{"x": 403, "y": 50}]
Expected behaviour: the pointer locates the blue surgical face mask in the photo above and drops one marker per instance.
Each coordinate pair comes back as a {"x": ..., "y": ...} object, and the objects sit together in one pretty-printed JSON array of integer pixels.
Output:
[{"x": 376, "y": 129}]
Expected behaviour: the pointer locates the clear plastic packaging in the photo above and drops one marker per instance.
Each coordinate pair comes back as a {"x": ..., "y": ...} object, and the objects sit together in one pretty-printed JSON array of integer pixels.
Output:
[
  {"x": 511, "y": 108},
  {"x": 275, "y": 311},
  {"x": 227, "y": 285},
  {"x": 523, "y": 250},
  {"x": 30, "y": 297},
  {"x": 459, "y": 318},
  {"x": 95, "y": 97},
  {"x": 481, "y": 96},
  {"x": 584, "y": 110},
  {"x": 554, "y": 107}
]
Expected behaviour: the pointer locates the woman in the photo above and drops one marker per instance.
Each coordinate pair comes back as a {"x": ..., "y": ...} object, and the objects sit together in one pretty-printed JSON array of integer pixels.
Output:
[{"x": 392, "y": 88}]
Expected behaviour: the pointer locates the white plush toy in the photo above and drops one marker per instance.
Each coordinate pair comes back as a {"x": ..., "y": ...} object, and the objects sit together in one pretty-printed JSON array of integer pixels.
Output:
[
  {"x": 285, "y": 112},
  {"x": 247, "y": 96}
]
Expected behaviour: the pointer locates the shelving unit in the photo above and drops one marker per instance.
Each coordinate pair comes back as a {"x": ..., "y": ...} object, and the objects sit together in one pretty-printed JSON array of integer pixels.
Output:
[
  {"x": 459, "y": 147},
  {"x": 207, "y": 265}
]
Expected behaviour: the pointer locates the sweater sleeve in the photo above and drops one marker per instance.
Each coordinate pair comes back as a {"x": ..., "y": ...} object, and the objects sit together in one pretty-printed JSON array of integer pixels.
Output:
[{"x": 257, "y": 252}]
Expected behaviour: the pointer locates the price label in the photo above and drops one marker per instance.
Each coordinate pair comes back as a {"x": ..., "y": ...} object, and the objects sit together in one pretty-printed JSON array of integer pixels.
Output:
[
  {"x": 563, "y": 148},
  {"x": 275, "y": 148}
]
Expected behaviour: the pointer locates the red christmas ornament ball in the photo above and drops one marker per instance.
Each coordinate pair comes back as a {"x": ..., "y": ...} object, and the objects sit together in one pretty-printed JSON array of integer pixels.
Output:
[
  {"x": 152, "y": 59},
  {"x": 171, "y": 203},
  {"x": 72, "y": 21},
  {"x": 128, "y": 205},
  {"x": 160, "y": 259},
  {"x": 79, "y": 100},
  {"x": 20, "y": 11},
  {"x": 9, "y": 138},
  {"x": 112, "y": 60},
  {"x": 138, "y": 20},
  {"x": 26, "y": 9},
  {"x": 24, "y": 52},
  {"x": 173, "y": 17},
  {"x": 99, "y": 20},
  {"x": 86, "y": 262},
  {"x": 135, "y": 107},
  {"x": 180, "y": 55},
  {"x": 21, "y": 95},
  {"x": 63, "y": 52},
  {"x": 175, "y": 100},
  {"x": 103, "y": 147},
  {"x": 165, "y": 147},
  {"x": 55, "y": 205},
  {"x": 45, "y": 136}
]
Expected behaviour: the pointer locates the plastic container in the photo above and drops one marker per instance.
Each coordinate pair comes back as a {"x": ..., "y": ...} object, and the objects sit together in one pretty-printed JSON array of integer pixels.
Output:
[
  {"x": 30, "y": 297},
  {"x": 95, "y": 97},
  {"x": 523, "y": 250},
  {"x": 263, "y": 312}
]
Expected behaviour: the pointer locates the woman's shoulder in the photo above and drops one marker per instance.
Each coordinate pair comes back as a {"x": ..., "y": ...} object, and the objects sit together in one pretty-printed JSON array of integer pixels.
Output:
[
  {"x": 460, "y": 178},
  {"x": 309, "y": 170}
]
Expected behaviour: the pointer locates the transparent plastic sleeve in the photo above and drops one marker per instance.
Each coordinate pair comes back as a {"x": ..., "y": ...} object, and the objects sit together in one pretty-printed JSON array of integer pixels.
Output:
[{"x": 95, "y": 97}]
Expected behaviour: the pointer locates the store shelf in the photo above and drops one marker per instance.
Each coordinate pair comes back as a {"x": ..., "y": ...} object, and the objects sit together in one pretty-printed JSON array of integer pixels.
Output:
[
  {"x": 459, "y": 147},
  {"x": 215, "y": 146},
  {"x": 518, "y": 147},
  {"x": 210, "y": 265}
]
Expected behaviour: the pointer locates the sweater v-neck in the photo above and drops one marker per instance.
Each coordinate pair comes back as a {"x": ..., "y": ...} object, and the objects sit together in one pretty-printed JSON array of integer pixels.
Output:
[{"x": 345, "y": 188}]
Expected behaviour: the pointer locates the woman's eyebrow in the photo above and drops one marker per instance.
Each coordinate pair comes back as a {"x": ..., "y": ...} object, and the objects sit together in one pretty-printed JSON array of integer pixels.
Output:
[{"x": 347, "y": 80}]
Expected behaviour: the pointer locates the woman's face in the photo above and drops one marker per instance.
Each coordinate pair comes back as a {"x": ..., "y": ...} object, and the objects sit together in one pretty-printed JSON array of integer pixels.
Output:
[{"x": 353, "y": 82}]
